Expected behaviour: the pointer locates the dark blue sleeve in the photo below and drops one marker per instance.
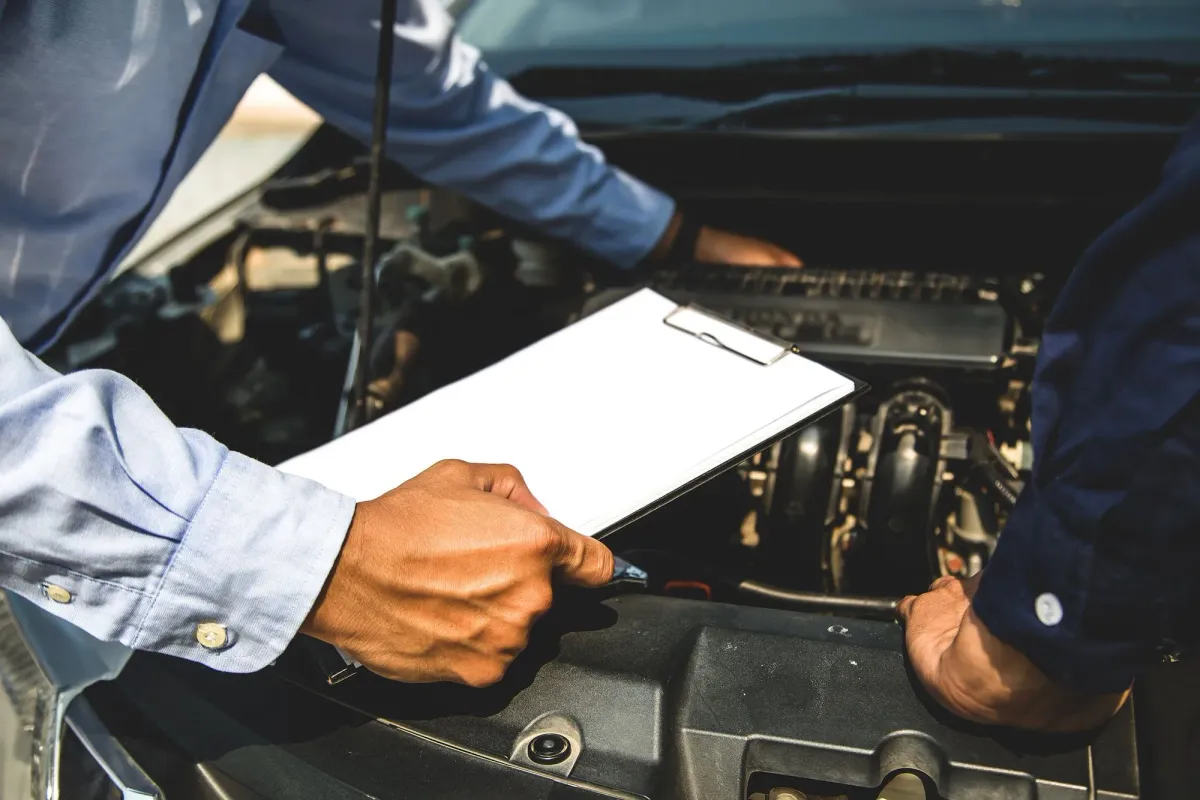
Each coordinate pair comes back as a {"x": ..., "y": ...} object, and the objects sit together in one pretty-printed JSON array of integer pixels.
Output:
[{"x": 1099, "y": 564}]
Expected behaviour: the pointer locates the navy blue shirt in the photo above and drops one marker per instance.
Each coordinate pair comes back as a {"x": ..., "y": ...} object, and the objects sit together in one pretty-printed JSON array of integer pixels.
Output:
[{"x": 1099, "y": 565}]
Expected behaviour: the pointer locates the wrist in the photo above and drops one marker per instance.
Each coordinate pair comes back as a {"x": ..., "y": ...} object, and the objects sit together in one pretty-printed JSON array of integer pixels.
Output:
[
  {"x": 324, "y": 618},
  {"x": 666, "y": 241},
  {"x": 983, "y": 677},
  {"x": 993, "y": 682},
  {"x": 679, "y": 243}
]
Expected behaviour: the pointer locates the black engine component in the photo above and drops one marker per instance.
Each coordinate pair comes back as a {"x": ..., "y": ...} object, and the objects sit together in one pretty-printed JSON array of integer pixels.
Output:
[
  {"x": 670, "y": 699},
  {"x": 859, "y": 316},
  {"x": 802, "y": 503},
  {"x": 893, "y": 550}
]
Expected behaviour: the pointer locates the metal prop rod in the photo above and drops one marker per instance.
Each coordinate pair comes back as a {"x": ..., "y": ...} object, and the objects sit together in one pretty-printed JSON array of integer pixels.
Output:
[{"x": 383, "y": 87}]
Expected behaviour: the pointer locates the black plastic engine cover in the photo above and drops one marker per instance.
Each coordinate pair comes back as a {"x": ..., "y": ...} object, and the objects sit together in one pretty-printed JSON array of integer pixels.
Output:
[{"x": 672, "y": 698}]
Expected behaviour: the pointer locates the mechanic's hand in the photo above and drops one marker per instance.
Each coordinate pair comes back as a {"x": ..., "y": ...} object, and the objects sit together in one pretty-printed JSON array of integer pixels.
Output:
[
  {"x": 720, "y": 247},
  {"x": 977, "y": 676},
  {"x": 443, "y": 577}
]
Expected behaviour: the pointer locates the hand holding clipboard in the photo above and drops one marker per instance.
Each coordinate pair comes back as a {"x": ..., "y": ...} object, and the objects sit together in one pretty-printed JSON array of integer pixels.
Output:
[{"x": 607, "y": 419}]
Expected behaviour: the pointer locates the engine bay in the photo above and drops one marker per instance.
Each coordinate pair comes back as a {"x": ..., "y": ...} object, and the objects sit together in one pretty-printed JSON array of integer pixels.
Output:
[
  {"x": 893, "y": 490},
  {"x": 931, "y": 267},
  {"x": 935, "y": 298}
]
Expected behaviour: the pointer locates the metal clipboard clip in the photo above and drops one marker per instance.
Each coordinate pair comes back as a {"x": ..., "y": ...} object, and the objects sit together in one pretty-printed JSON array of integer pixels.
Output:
[
  {"x": 336, "y": 665},
  {"x": 728, "y": 335}
]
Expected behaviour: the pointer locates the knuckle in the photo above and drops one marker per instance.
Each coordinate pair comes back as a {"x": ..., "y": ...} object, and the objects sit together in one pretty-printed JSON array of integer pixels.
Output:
[
  {"x": 451, "y": 466},
  {"x": 546, "y": 539},
  {"x": 605, "y": 563},
  {"x": 536, "y": 600},
  {"x": 513, "y": 474},
  {"x": 474, "y": 679},
  {"x": 541, "y": 599},
  {"x": 484, "y": 673},
  {"x": 514, "y": 639},
  {"x": 504, "y": 477}
]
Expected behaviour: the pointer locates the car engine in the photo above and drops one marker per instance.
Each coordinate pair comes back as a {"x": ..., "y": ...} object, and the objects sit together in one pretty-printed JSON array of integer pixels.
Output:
[{"x": 907, "y": 484}]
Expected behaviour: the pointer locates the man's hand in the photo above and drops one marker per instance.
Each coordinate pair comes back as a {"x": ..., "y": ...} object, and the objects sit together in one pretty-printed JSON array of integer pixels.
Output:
[
  {"x": 720, "y": 247},
  {"x": 977, "y": 676},
  {"x": 443, "y": 577}
]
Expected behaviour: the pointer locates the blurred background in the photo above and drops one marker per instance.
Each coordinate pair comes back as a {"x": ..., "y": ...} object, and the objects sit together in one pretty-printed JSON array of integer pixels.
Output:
[{"x": 267, "y": 127}]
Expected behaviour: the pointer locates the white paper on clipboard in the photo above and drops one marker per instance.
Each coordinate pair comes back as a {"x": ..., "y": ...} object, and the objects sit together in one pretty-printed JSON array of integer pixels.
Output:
[{"x": 604, "y": 418}]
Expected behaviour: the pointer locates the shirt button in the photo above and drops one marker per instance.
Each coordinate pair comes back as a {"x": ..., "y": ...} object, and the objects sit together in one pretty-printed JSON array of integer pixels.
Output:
[
  {"x": 1049, "y": 610},
  {"x": 57, "y": 593},
  {"x": 211, "y": 635}
]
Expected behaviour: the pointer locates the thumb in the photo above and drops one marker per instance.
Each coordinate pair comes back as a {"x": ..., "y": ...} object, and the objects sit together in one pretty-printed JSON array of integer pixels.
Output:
[{"x": 580, "y": 559}]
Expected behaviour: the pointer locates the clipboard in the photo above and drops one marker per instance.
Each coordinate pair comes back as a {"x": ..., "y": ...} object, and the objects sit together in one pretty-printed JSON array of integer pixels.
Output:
[{"x": 626, "y": 343}]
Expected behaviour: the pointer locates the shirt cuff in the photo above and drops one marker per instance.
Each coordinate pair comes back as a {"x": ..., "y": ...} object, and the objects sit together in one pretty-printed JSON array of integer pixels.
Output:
[
  {"x": 1035, "y": 595},
  {"x": 248, "y": 570},
  {"x": 633, "y": 218}
]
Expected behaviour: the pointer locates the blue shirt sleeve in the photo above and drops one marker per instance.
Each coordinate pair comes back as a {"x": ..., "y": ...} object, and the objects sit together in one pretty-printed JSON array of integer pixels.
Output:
[
  {"x": 456, "y": 124},
  {"x": 1096, "y": 570},
  {"x": 139, "y": 532}
]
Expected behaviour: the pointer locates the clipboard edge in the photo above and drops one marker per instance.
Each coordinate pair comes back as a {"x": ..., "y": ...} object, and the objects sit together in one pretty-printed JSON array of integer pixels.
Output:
[{"x": 859, "y": 389}]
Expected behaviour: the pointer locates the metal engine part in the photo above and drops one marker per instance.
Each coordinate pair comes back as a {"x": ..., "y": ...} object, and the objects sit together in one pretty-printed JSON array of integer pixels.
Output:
[
  {"x": 801, "y": 505},
  {"x": 893, "y": 550},
  {"x": 968, "y": 537}
]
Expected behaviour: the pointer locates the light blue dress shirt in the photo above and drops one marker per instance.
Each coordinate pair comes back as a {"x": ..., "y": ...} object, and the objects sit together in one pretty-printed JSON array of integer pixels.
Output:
[{"x": 110, "y": 516}]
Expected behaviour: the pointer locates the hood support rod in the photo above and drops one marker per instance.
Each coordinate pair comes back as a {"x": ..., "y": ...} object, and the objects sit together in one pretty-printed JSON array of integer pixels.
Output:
[{"x": 379, "y": 126}]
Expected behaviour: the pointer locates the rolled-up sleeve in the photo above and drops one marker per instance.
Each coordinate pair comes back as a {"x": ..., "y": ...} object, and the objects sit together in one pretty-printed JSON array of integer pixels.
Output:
[
  {"x": 458, "y": 125},
  {"x": 1098, "y": 569},
  {"x": 160, "y": 538}
]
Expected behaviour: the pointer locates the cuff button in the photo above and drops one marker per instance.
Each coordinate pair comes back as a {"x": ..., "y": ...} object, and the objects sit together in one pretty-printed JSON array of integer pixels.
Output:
[
  {"x": 1048, "y": 609},
  {"x": 57, "y": 593},
  {"x": 211, "y": 635}
]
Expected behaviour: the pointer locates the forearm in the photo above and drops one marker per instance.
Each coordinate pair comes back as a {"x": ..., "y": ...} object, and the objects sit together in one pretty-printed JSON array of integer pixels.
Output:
[
  {"x": 147, "y": 531},
  {"x": 457, "y": 125}
]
